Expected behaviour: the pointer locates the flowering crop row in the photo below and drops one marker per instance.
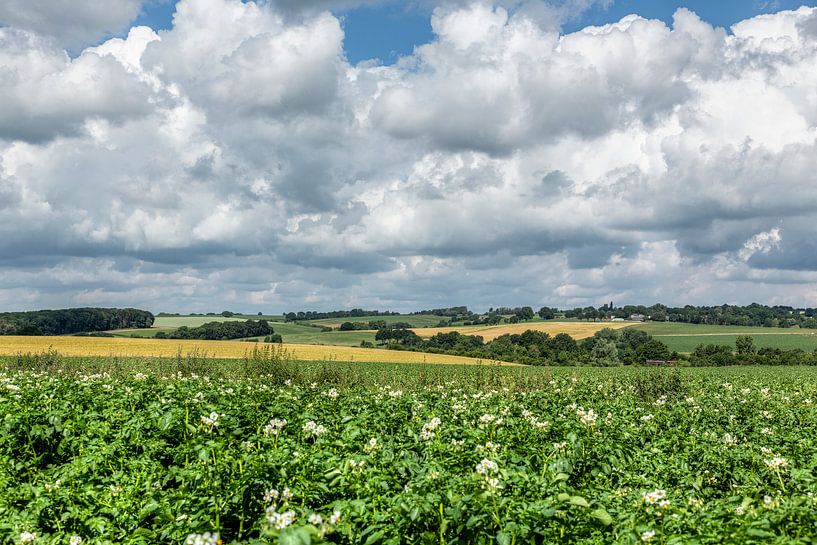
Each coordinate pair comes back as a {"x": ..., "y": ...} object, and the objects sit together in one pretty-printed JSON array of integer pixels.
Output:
[{"x": 726, "y": 457}]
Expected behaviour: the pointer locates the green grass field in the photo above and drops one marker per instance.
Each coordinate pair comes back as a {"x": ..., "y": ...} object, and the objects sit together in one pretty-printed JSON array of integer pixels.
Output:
[
  {"x": 673, "y": 328},
  {"x": 140, "y": 333},
  {"x": 339, "y": 338},
  {"x": 192, "y": 321},
  {"x": 807, "y": 342},
  {"x": 685, "y": 337},
  {"x": 170, "y": 323}
]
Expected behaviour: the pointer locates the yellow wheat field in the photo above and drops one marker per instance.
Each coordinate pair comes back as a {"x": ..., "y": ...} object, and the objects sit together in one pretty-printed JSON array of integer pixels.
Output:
[
  {"x": 98, "y": 346},
  {"x": 577, "y": 330}
]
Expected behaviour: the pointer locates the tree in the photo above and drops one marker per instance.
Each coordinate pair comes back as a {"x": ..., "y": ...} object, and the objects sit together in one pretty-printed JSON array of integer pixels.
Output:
[
  {"x": 525, "y": 313},
  {"x": 547, "y": 313},
  {"x": 712, "y": 354},
  {"x": 605, "y": 353},
  {"x": 562, "y": 342},
  {"x": 653, "y": 350},
  {"x": 745, "y": 345}
]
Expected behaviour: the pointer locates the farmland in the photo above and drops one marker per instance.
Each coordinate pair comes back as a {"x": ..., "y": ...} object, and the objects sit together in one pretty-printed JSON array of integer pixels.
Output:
[
  {"x": 395, "y": 454},
  {"x": 685, "y": 337},
  {"x": 302, "y": 333},
  {"x": 577, "y": 330},
  {"x": 93, "y": 346},
  {"x": 687, "y": 343}
]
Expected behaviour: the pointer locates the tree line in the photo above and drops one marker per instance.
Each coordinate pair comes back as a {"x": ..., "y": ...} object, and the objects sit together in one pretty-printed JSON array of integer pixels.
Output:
[
  {"x": 373, "y": 325},
  {"x": 746, "y": 353},
  {"x": 73, "y": 320},
  {"x": 354, "y": 313},
  {"x": 606, "y": 347},
  {"x": 755, "y": 314},
  {"x": 221, "y": 331}
]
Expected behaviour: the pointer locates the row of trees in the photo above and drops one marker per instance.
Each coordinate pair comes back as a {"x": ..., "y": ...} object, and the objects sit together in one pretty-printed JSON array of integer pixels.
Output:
[
  {"x": 73, "y": 320},
  {"x": 746, "y": 353},
  {"x": 450, "y": 312},
  {"x": 750, "y": 315},
  {"x": 606, "y": 347},
  {"x": 219, "y": 331},
  {"x": 373, "y": 325},
  {"x": 354, "y": 313}
]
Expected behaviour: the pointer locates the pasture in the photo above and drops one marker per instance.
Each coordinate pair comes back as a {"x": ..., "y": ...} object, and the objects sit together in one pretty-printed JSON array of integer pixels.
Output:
[
  {"x": 685, "y": 337},
  {"x": 173, "y": 322},
  {"x": 687, "y": 343}
]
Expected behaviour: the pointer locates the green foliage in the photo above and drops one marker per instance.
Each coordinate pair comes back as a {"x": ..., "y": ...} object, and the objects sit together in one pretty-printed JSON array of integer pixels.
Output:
[
  {"x": 267, "y": 450},
  {"x": 72, "y": 320},
  {"x": 712, "y": 355},
  {"x": 354, "y": 313},
  {"x": 654, "y": 384},
  {"x": 628, "y": 346},
  {"x": 745, "y": 345},
  {"x": 214, "y": 331},
  {"x": 605, "y": 352},
  {"x": 606, "y": 348}
]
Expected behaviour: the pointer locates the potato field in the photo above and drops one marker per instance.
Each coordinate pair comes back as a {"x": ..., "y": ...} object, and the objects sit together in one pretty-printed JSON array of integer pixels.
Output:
[{"x": 367, "y": 454}]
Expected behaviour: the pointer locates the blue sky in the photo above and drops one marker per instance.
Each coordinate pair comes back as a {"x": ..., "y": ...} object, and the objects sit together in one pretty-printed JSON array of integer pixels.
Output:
[{"x": 389, "y": 30}]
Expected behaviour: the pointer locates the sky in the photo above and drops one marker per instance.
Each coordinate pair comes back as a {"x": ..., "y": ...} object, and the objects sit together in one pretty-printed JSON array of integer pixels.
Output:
[{"x": 324, "y": 154}]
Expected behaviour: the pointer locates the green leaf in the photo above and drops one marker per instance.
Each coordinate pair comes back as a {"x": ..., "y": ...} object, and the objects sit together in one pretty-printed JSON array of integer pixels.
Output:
[
  {"x": 295, "y": 536},
  {"x": 374, "y": 538},
  {"x": 602, "y": 516},
  {"x": 578, "y": 500},
  {"x": 503, "y": 538},
  {"x": 757, "y": 532}
]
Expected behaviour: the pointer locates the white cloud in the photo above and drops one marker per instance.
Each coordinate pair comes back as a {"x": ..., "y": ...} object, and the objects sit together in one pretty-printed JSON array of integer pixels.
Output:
[
  {"x": 239, "y": 159},
  {"x": 761, "y": 242},
  {"x": 71, "y": 23},
  {"x": 45, "y": 94}
]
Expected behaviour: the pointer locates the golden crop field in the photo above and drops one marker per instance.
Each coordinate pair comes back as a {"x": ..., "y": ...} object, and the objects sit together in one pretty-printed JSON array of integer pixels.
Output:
[
  {"x": 99, "y": 346},
  {"x": 577, "y": 330}
]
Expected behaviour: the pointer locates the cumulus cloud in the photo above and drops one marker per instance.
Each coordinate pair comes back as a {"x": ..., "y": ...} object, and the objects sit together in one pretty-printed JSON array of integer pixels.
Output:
[
  {"x": 71, "y": 23},
  {"x": 45, "y": 94},
  {"x": 239, "y": 159}
]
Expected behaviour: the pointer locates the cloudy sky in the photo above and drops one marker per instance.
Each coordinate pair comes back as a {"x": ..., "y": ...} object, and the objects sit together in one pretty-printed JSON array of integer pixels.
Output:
[{"x": 320, "y": 154}]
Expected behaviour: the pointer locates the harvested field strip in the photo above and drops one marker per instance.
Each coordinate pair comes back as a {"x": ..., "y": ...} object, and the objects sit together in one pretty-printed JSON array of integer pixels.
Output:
[{"x": 577, "y": 330}]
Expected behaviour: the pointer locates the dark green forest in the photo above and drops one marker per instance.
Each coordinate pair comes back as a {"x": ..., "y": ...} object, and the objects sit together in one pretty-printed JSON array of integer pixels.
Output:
[
  {"x": 73, "y": 320},
  {"x": 220, "y": 331}
]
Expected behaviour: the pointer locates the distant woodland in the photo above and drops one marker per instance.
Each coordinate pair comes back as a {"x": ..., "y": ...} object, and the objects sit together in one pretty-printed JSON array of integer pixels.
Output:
[{"x": 73, "y": 320}]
